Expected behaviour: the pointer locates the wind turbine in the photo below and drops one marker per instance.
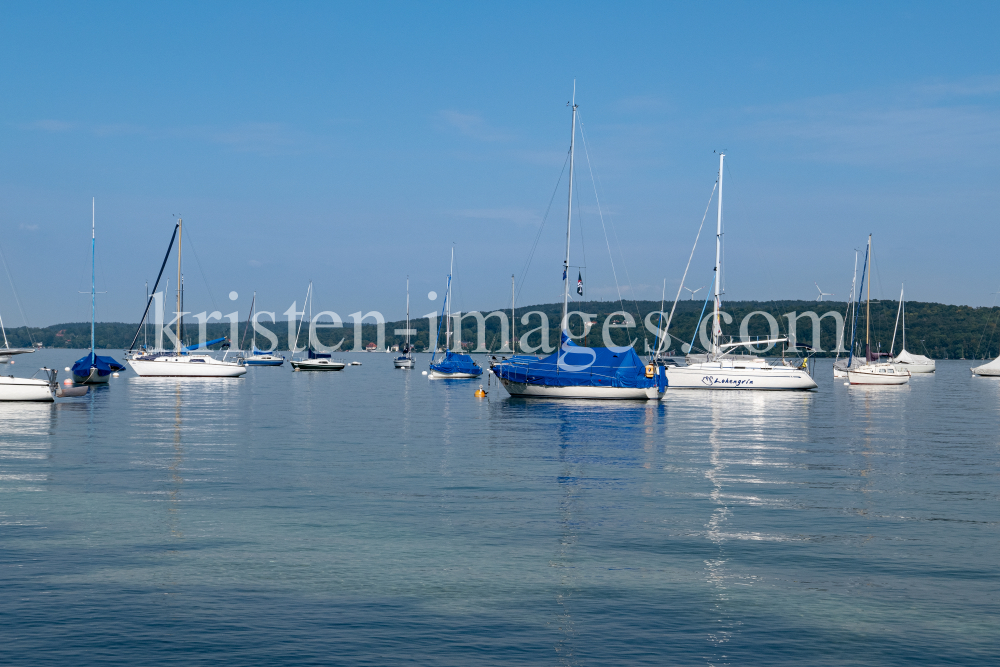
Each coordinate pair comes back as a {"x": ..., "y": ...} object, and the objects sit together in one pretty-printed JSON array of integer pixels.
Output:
[
  {"x": 694, "y": 291},
  {"x": 821, "y": 293}
]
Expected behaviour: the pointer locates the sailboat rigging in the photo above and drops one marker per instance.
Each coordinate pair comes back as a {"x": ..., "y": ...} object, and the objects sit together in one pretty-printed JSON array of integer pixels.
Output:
[
  {"x": 256, "y": 357},
  {"x": 314, "y": 361}
]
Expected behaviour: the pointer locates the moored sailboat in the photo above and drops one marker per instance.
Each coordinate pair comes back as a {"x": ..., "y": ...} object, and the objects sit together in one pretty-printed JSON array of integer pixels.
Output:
[
  {"x": 180, "y": 362},
  {"x": 874, "y": 372},
  {"x": 574, "y": 371},
  {"x": 405, "y": 359},
  {"x": 914, "y": 363},
  {"x": 720, "y": 368},
  {"x": 453, "y": 365},
  {"x": 314, "y": 361},
  {"x": 94, "y": 369},
  {"x": 256, "y": 357}
]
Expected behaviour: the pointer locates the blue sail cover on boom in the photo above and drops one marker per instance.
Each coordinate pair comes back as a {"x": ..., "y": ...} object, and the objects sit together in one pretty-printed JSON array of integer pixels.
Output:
[
  {"x": 456, "y": 363},
  {"x": 105, "y": 366},
  {"x": 576, "y": 366}
]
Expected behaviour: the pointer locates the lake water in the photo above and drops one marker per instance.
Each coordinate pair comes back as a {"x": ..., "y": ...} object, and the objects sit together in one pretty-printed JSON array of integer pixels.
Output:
[{"x": 374, "y": 517}]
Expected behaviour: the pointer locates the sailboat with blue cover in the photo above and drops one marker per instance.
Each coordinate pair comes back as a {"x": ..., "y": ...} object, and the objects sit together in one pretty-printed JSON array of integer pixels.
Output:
[
  {"x": 574, "y": 371},
  {"x": 94, "y": 369},
  {"x": 258, "y": 357},
  {"x": 453, "y": 365}
]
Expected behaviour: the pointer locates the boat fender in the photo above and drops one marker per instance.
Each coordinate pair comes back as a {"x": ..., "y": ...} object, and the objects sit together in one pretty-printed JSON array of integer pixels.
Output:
[
  {"x": 114, "y": 375},
  {"x": 650, "y": 370}
]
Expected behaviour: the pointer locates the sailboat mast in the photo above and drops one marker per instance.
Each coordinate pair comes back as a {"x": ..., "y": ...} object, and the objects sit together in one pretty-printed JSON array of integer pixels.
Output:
[
  {"x": 716, "y": 328},
  {"x": 93, "y": 274},
  {"x": 868, "y": 307},
  {"x": 513, "y": 333},
  {"x": 407, "y": 314},
  {"x": 447, "y": 297},
  {"x": 569, "y": 215},
  {"x": 899, "y": 311},
  {"x": 180, "y": 237},
  {"x": 902, "y": 305}
]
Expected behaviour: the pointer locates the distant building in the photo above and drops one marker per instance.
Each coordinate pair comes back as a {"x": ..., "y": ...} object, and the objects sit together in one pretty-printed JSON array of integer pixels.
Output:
[{"x": 371, "y": 347}]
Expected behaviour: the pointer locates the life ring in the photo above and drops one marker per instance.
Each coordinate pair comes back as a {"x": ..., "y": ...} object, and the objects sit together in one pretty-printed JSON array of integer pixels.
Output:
[{"x": 650, "y": 370}]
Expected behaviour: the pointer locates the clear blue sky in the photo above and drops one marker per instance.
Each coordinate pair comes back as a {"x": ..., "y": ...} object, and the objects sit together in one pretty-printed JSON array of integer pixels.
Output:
[{"x": 353, "y": 144}]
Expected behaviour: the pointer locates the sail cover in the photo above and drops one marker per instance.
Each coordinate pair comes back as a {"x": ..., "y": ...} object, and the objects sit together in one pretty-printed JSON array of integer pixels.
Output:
[
  {"x": 905, "y": 357},
  {"x": 105, "y": 365},
  {"x": 456, "y": 363},
  {"x": 576, "y": 366}
]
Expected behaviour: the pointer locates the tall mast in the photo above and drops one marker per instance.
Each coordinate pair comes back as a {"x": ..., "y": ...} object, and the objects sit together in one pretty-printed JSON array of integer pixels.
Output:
[
  {"x": 180, "y": 236},
  {"x": 447, "y": 297},
  {"x": 407, "y": 315},
  {"x": 902, "y": 305},
  {"x": 513, "y": 334},
  {"x": 716, "y": 328},
  {"x": 93, "y": 275},
  {"x": 569, "y": 214},
  {"x": 868, "y": 307}
]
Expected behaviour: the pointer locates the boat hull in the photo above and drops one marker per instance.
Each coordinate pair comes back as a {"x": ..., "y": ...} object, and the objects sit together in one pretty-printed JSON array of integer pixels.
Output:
[
  {"x": 318, "y": 365},
  {"x": 918, "y": 368},
  {"x": 26, "y": 389},
  {"x": 263, "y": 361},
  {"x": 170, "y": 366},
  {"x": 713, "y": 376},
  {"x": 437, "y": 375},
  {"x": 93, "y": 378},
  {"x": 521, "y": 390},
  {"x": 877, "y": 374},
  {"x": 403, "y": 363}
]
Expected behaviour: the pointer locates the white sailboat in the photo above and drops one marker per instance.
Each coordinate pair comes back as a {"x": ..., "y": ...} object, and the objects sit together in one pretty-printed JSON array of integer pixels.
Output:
[
  {"x": 180, "y": 362},
  {"x": 405, "y": 360},
  {"x": 914, "y": 363},
  {"x": 721, "y": 369},
  {"x": 314, "y": 361},
  {"x": 840, "y": 366},
  {"x": 874, "y": 372}
]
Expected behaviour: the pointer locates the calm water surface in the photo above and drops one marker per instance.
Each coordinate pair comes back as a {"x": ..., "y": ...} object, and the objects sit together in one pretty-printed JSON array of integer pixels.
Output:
[{"x": 373, "y": 517}]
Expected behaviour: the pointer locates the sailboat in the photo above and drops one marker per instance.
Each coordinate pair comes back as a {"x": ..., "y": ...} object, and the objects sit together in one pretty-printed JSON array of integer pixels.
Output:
[
  {"x": 914, "y": 363},
  {"x": 874, "y": 371},
  {"x": 723, "y": 370},
  {"x": 453, "y": 365},
  {"x": 405, "y": 360},
  {"x": 840, "y": 366},
  {"x": 574, "y": 371},
  {"x": 94, "y": 369},
  {"x": 180, "y": 362},
  {"x": 256, "y": 357},
  {"x": 25, "y": 389},
  {"x": 314, "y": 361}
]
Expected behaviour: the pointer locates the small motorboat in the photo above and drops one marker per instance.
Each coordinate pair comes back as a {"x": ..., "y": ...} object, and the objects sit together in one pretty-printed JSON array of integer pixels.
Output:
[{"x": 354, "y": 363}]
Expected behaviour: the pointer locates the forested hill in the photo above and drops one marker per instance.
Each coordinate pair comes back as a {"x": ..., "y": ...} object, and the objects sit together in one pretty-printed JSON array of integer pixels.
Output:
[{"x": 937, "y": 330}]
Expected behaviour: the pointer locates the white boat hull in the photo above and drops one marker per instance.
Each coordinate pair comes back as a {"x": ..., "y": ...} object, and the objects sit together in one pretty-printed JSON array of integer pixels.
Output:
[
  {"x": 731, "y": 376},
  {"x": 318, "y": 365},
  {"x": 26, "y": 389},
  {"x": 403, "y": 363},
  {"x": 434, "y": 375},
  {"x": 917, "y": 368},
  {"x": 200, "y": 366},
  {"x": 521, "y": 390},
  {"x": 878, "y": 374}
]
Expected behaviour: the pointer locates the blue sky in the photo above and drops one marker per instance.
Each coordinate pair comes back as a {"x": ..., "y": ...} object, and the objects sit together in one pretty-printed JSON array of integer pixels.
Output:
[{"x": 353, "y": 144}]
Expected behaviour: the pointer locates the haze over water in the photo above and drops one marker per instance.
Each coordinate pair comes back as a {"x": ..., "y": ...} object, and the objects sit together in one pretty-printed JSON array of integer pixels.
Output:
[{"x": 373, "y": 517}]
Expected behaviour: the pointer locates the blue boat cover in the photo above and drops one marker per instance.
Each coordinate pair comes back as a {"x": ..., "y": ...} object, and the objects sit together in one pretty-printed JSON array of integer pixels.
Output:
[
  {"x": 201, "y": 345},
  {"x": 456, "y": 363},
  {"x": 576, "y": 366},
  {"x": 105, "y": 365}
]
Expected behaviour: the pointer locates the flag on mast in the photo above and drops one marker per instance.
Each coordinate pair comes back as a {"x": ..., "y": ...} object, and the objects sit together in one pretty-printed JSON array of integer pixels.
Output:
[{"x": 579, "y": 283}]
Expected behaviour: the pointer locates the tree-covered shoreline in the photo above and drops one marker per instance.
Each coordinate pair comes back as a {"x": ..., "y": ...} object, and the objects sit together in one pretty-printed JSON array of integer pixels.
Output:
[{"x": 940, "y": 331}]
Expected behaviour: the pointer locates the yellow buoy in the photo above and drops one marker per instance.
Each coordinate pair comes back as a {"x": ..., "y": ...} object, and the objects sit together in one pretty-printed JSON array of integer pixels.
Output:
[{"x": 480, "y": 393}]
